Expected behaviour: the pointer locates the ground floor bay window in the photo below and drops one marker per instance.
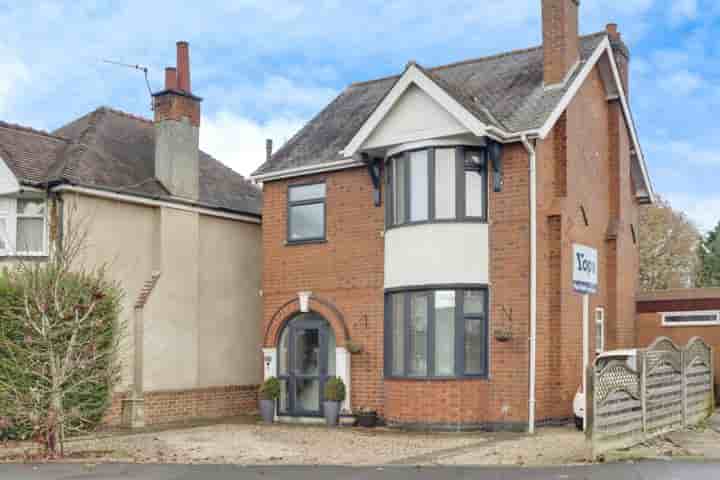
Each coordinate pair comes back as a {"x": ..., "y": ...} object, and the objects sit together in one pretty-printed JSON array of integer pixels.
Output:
[{"x": 436, "y": 333}]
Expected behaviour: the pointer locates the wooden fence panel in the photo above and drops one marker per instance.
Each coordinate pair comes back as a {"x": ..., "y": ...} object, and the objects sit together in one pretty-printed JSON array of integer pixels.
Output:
[{"x": 672, "y": 389}]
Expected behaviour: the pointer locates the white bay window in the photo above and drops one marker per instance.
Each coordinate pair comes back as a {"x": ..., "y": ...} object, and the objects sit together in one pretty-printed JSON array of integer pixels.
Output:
[{"x": 23, "y": 227}]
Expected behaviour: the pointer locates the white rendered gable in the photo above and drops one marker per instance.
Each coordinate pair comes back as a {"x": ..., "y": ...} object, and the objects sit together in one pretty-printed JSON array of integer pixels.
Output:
[
  {"x": 414, "y": 117},
  {"x": 8, "y": 182}
]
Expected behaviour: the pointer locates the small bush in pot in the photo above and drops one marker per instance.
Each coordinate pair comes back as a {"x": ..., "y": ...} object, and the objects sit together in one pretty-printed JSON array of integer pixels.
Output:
[
  {"x": 334, "y": 396},
  {"x": 269, "y": 393}
]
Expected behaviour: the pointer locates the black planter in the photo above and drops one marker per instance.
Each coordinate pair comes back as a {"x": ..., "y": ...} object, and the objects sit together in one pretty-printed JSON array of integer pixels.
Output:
[
  {"x": 367, "y": 419},
  {"x": 267, "y": 410}
]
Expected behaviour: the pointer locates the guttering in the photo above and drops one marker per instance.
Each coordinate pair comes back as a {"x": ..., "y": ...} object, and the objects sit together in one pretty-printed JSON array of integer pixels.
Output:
[
  {"x": 532, "y": 157},
  {"x": 152, "y": 202},
  {"x": 307, "y": 170}
]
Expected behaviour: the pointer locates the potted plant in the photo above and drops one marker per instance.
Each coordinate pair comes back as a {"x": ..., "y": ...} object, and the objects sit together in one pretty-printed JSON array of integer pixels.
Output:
[
  {"x": 334, "y": 396},
  {"x": 366, "y": 417},
  {"x": 269, "y": 393}
]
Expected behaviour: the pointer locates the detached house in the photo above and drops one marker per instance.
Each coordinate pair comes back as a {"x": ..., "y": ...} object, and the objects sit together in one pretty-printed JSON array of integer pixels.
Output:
[
  {"x": 179, "y": 231},
  {"x": 418, "y": 235}
]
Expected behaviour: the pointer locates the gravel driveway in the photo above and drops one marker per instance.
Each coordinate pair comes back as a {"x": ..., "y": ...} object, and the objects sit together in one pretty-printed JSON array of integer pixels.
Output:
[{"x": 253, "y": 443}]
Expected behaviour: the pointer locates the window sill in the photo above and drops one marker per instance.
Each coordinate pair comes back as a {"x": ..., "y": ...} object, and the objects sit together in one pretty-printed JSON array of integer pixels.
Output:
[
  {"x": 438, "y": 379},
  {"x": 439, "y": 222},
  {"x": 24, "y": 256},
  {"x": 291, "y": 243}
]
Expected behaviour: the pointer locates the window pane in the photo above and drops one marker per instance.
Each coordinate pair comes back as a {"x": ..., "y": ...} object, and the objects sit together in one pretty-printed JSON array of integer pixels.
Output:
[
  {"x": 474, "y": 201},
  {"x": 283, "y": 353},
  {"x": 307, "y": 222},
  {"x": 31, "y": 207},
  {"x": 445, "y": 183},
  {"x": 418, "y": 334},
  {"x": 599, "y": 337},
  {"x": 474, "y": 346},
  {"x": 398, "y": 334},
  {"x": 307, "y": 192},
  {"x": 284, "y": 401},
  {"x": 30, "y": 235},
  {"x": 419, "y": 194},
  {"x": 444, "y": 333},
  {"x": 331, "y": 353},
  {"x": 400, "y": 176},
  {"x": 474, "y": 302},
  {"x": 685, "y": 318}
]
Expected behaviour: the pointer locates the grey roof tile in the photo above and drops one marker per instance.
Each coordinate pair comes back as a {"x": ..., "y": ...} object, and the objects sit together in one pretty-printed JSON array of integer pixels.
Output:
[
  {"x": 503, "y": 90},
  {"x": 113, "y": 150}
]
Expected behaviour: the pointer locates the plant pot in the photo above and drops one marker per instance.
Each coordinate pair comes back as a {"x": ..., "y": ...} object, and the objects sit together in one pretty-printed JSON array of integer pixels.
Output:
[
  {"x": 267, "y": 410},
  {"x": 366, "y": 419},
  {"x": 332, "y": 412}
]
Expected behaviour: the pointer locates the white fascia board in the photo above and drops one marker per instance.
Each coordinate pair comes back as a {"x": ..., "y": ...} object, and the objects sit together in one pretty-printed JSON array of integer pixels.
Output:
[
  {"x": 603, "y": 48},
  {"x": 154, "y": 203},
  {"x": 414, "y": 76},
  {"x": 8, "y": 182},
  {"x": 307, "y": 170}
]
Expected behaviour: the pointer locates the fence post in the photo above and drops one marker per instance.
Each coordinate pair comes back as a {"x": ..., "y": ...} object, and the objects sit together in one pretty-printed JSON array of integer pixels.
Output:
[
  {"x": 642, "y": 365},
  {"x": 683, "y": 374},
  {"x": 590, "y": 403}
]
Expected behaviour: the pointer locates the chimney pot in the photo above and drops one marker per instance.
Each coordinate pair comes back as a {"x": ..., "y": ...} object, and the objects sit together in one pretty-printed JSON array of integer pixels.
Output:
[
  {"x": 183, "y": 66},
  {"x": 268, "y": 149},
  {"x": 612, "y": 30},
  {"x": 171, "y": 78}
]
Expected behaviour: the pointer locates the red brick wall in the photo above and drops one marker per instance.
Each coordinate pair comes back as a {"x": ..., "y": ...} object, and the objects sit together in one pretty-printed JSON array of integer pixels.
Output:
[{"x": 178, "y": 405}]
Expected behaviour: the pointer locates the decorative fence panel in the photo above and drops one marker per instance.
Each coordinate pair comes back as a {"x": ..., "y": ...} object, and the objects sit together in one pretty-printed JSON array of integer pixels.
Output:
[{"x": 671, "y": 390}]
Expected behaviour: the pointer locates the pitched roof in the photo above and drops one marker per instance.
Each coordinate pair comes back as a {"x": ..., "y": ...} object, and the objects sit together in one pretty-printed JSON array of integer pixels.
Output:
[
  {"x": 505, "y": 91},
  {"x": 112, "y": 150}
]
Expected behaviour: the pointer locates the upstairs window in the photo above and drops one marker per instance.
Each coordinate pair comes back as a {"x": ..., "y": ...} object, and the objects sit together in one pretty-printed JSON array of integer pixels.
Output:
[
  {"x": 437, "y": 185},
  {"x": 23, "y": 227},
  {"x": 306, "y": 213}
]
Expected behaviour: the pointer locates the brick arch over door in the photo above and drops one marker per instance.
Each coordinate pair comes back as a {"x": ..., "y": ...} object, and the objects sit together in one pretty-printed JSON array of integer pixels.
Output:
[{"x": 318, "y": 305}]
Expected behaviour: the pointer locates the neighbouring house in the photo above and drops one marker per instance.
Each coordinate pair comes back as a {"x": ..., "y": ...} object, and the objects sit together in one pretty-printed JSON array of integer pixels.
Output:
[
  {"x": 681, "y": 315},
  {"x": 418, "y": 235},
  {"x": 179, "y": 231}
]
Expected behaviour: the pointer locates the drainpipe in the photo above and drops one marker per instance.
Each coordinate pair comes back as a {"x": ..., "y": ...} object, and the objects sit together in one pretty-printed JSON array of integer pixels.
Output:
[{"x": 533, "y": 279}]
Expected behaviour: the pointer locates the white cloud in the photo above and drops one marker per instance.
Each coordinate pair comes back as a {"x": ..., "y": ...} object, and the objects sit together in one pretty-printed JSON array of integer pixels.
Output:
[
  {"x": 682, "y": 82},
  {"x": 239, "y": 142},
  {"x": 704, "y": 210}
]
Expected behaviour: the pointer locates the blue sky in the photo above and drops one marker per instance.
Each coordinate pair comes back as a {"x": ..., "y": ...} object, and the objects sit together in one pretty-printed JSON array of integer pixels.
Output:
[{"x": 265, "y": 67}]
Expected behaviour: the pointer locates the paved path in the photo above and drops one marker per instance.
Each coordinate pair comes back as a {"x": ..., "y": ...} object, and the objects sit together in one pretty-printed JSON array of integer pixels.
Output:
[{"x": 640, "y": 471}]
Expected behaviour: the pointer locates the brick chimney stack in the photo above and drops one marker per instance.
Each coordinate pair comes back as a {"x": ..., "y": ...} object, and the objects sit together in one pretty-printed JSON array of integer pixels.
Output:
[
  {"x": 622, "y": 54},
  {"x": 561, "y": 40},
  {"x": 177, "y": 125}
]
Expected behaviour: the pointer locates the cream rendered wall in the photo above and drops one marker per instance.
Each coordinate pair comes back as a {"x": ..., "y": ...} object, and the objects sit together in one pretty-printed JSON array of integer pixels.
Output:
[
  {"x": 436, "y": 254},
  {"x": 415, "y": 116},
  {"x": 230, "y": 303},
  {"x": 170, "y": 346},
  {"x": 120, "y": 235}
]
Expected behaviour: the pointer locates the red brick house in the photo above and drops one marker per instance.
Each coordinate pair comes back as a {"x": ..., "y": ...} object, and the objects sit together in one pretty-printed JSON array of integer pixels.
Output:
[{"x": 418, "y": 235}]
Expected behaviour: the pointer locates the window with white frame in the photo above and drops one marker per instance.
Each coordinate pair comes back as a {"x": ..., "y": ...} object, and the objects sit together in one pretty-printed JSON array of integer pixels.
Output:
[
  {"x": 23, "y": 226},
  {"x": 599, "y": 330},
  {"x": 690, "y": 319}
]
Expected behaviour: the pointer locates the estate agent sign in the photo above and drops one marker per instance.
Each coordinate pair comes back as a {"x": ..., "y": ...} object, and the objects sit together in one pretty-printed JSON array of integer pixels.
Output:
[{"x": 585, "y": 269}]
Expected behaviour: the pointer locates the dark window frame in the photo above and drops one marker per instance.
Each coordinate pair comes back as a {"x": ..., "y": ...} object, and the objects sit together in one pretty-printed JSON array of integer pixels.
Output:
[
  {"x": 459, "y": 332},
  {"x": 460, "y": 187},
  {"x": 300, "y": 203}
]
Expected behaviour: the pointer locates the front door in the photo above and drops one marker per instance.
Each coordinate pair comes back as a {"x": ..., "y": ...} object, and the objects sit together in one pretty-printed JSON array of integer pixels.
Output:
[{"x": 306, "y": 349}]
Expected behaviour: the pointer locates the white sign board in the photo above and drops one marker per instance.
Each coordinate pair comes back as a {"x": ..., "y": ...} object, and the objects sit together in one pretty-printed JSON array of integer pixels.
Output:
[{"x": 585, "y": 269}]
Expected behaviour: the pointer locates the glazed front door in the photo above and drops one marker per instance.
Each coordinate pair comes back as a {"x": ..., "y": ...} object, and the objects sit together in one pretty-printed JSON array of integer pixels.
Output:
[{"x": 306, "y": 345}]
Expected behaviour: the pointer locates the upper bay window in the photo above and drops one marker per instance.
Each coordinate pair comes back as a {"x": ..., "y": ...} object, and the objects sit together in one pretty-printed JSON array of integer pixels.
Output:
[
  {"x": 306, "y": 213},
  {"x": 23, "y": 227},
  {"x": 436, "y": 185}
]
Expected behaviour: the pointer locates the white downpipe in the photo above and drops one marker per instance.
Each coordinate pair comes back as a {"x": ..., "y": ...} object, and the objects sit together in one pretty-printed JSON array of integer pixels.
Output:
[
  {"x": 586, "y": 352},
  {"x": 533, "y": 280}
]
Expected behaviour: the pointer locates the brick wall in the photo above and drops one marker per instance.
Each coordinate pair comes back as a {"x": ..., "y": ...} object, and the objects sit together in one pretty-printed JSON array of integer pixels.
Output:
[{"x": 180, "y": 405}]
